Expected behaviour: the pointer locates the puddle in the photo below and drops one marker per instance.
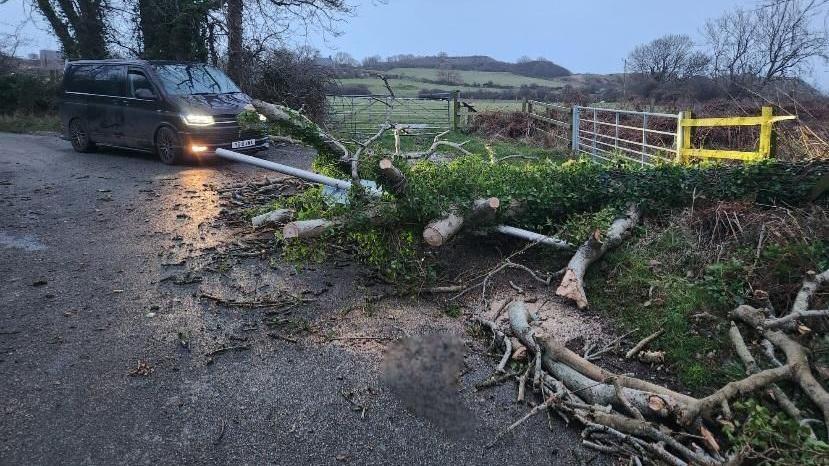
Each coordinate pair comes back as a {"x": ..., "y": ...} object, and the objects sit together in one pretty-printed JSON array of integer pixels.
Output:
[{"x": 28, "y": 243}]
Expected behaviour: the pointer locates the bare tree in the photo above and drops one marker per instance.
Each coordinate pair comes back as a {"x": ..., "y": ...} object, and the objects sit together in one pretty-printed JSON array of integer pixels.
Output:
[
  {"x": 523, "y": 59},
  {"x": 372, "y": 61},
  {"x": 787, "y": 38},
  {"x": 345, "y": 59},
  {"x": 668, "y": 58},
  {"x": 9, "y": 43},
  {"x": 776, "y": 40}
]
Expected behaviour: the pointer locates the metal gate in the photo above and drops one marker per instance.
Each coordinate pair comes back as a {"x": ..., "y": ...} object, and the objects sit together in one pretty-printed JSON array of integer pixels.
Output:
[
  {"x": 360, "y": 116},
  {"x": 607, "y": 134}
]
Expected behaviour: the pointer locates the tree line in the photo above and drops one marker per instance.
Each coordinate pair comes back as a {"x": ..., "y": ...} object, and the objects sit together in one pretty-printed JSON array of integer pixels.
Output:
[
  {"x": 746, "y": 48},
  {"x": 234, "y": 32}
]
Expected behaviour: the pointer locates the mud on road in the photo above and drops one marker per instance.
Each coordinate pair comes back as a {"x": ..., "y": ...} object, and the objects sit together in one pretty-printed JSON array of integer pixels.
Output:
[{"x": 112, "y": 350}]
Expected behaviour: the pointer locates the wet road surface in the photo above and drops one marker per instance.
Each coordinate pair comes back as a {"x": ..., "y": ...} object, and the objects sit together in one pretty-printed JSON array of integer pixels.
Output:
[{"x": 87, "y": 244}]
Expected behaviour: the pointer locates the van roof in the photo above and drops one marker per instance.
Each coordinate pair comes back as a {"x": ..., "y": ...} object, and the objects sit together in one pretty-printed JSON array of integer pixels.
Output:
[{"x": 132, "y": 61}]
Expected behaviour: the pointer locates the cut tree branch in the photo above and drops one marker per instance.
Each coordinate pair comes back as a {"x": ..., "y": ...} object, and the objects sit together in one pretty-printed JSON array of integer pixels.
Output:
[{"x": 572, "y": 285}]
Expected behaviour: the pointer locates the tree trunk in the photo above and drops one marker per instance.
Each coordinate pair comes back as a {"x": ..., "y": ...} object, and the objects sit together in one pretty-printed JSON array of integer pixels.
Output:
[
  {"x": 307, "y": 228},
  {"x": 79, "y": 26},
  {"x": 439, "y": 231},
  {"x": 273, "y": 217},
  {"x": 392, "y": 178},
  {"x": 235, "y": 31},
  {"x": 299, "y": 126}
]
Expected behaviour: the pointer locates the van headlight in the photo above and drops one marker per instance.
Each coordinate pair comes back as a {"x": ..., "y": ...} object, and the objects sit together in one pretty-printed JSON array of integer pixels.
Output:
[{"x": 193, "y": 119}]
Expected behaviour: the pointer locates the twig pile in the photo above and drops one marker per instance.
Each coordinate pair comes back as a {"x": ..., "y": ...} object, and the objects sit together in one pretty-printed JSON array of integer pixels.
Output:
[{"x": 626, "y": 416}]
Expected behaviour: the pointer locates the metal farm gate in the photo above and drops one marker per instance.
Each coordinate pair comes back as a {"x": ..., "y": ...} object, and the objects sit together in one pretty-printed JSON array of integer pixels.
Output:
[
  {"x": 649, "y": 138},
  {"x": 643, "y": 137},
  {"x": 360, "y": 116}
]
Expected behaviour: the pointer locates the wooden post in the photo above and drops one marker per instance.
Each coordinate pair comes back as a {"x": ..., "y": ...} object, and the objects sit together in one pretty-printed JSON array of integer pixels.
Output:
[
  {"x": 456, "y": 110},
  {"x": 764, "y": 149},
  {"x": 679, "y": 140},
  {"x": 524, "y": 106}
]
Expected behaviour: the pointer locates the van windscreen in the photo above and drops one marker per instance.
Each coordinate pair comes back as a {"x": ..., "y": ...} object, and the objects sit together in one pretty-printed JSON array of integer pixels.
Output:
[{"x": 194, "y": 79}]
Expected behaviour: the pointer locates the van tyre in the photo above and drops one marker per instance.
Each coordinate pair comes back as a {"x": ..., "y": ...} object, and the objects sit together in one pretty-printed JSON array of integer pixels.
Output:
[
  {"x": 79, "y": 136},
  {"x": 168, "y": 146}
]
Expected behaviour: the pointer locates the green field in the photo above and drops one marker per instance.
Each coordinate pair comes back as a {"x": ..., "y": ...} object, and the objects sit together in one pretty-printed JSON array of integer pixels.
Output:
[
  {"x": 402, "y": 87},
  {"x": 411, "y": 80}
]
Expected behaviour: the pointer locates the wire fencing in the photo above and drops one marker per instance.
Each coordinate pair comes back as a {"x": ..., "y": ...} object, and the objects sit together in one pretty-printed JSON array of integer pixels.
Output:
[{"x": 360, "y": 116}]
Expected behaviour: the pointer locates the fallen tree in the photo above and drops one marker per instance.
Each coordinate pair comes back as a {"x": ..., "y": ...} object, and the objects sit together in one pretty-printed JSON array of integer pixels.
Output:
[
  {"x": 621, "y": 414},
  {"x": 300, "y": 127},
  {"x": 630, "y": 416}
]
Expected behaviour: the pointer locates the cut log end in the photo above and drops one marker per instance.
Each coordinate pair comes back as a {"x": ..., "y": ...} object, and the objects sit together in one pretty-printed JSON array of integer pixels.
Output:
[
  {"x": 272, "y": 218},
  {"x": 385, "y": 164},
  {"x": 306, "y": 228},
  {"x": 571, "y": 288},
  {"x": 437, "y": 233},
  {"x": 392, "y": 178}
]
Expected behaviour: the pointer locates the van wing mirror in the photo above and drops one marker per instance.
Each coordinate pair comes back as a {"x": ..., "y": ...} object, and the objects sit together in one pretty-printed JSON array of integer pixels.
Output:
[{"x": 144, "y": 93}]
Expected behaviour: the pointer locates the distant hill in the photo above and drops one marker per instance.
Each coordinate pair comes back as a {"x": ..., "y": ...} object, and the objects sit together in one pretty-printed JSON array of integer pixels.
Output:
[{"x": 534, "y": 69}]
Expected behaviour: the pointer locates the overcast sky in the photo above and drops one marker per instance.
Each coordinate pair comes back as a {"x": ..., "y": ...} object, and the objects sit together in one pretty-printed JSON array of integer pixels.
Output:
[{"x": 585, "y": 36}]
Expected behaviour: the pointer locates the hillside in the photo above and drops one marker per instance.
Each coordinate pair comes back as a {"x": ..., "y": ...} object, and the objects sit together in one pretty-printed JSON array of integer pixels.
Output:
[
  {"x": 533, "y": 68},
  {"x": 489, "y": 89}
]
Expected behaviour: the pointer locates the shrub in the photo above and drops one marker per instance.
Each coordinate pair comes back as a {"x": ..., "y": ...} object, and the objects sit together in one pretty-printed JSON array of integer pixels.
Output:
[
  {"x": 292, "y": 79},
  {"x": 27, "y": 94}
]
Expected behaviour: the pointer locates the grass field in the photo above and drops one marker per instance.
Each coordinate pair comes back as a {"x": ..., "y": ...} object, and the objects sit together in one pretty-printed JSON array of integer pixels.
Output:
[
  {"x": 402, "y": 87},
  {"x": 411, "y": 81}
]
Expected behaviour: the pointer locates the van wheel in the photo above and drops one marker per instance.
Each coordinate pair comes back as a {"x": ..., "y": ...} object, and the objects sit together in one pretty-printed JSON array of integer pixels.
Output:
[
  {"x": 79, "y": 136},
  {"x": 168, "y": 146}
]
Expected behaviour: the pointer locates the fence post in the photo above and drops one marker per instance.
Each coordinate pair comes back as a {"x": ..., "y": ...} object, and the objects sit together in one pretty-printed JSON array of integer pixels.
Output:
[
  {"x": 456, "y": 109},
  {"x": 524, "y": 106},
  {"x": 644, "y": 137},
  {"x": 679, "y": 138},
  {"x": 575, "y": 125},
  {"x": 765, "y": 133},
  {"x": 687, "y": 136},
  {"x": 593, "y": 149}
]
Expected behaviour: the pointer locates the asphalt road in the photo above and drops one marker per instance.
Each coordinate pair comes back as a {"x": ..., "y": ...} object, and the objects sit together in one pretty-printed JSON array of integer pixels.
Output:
[{"x": 86, "y": 241}]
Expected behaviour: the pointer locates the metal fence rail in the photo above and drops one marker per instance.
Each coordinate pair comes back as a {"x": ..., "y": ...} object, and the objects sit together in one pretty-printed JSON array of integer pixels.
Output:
[
  {"x": 360, "y": 116},
  {"x": 607, "y": 134}
]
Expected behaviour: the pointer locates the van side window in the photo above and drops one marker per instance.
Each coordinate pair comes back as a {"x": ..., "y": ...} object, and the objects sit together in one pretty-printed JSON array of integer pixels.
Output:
[
  {"x": 108, "y": 80},
  {"x": 80, "y": 79},
  {"x": 137, "y": 80}
]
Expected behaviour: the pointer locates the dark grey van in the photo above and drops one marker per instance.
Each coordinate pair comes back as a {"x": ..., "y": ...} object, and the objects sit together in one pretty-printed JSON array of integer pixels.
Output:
[{"x": 170, "y": 108}]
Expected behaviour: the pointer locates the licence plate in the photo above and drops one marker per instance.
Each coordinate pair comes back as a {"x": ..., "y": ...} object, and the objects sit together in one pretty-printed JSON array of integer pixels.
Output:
[{"x": 243, "y": 144}]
